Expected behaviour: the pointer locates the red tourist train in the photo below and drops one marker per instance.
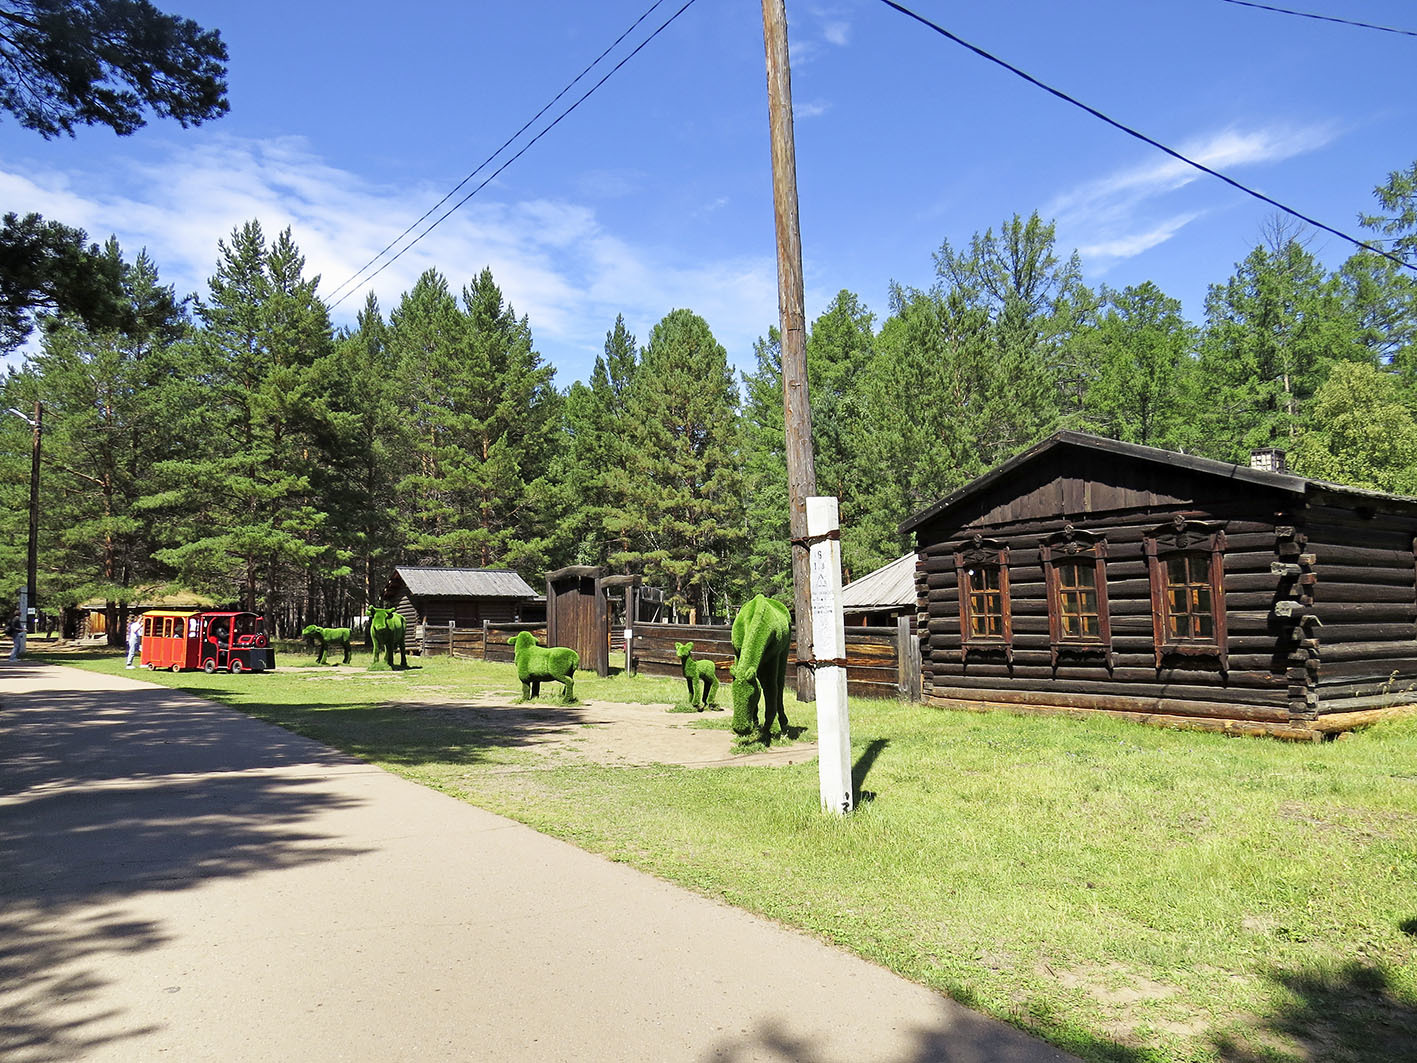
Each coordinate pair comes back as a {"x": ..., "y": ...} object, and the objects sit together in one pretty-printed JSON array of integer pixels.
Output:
[{"x": 208, "y": 639}]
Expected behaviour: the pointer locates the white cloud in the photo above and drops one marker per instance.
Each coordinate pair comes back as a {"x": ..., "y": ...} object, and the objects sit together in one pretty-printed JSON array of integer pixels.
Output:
[
  {"x": 838, "y": 33},
  {"x": 554, "y": 260},
  {"x": 1113, "y": 217},
  {"x": 1136, "y": 243},
  {"x": 810, "y": 109}
]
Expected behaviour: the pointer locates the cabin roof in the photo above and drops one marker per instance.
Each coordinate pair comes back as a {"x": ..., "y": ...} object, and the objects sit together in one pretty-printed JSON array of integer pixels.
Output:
[
  {"x": 436, "y": 582},
  {"x": 1288, "y": 482},
  {"x": 889, "y": 586}
]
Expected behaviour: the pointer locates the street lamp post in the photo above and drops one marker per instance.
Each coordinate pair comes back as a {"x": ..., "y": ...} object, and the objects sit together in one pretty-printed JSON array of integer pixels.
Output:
[{"x": 28, "y": 593}]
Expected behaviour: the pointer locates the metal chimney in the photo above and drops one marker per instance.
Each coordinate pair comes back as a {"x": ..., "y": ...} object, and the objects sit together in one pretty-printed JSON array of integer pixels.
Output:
[{"x": 1269, "y": 459}]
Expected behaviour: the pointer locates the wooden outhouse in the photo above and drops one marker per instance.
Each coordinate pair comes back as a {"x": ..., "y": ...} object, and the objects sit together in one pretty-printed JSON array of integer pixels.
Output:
[
  {"x": 1091, "y": 575},
  {"x": 463, "y": 597}
]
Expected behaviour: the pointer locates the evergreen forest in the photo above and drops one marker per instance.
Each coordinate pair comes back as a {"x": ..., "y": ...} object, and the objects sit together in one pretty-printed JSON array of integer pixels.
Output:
[{"x": 236, "y": 444}]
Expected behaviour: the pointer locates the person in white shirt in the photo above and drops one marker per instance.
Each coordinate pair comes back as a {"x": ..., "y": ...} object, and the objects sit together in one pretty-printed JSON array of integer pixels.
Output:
[{"x": 135, "y": 638}]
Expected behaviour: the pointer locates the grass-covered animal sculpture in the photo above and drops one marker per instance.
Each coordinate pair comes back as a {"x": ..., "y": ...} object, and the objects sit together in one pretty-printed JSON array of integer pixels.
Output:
[
  {"x": 386, "y": 632},
  {"x": 762, "y": 633},
  {"x": 699, "y": 675},
  {"x": 537, "y": 664},
  {"x": 323, "y": 637}
]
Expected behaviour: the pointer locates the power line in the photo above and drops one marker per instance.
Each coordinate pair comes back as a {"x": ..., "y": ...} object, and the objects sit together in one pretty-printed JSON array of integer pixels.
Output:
[
  {"x": 1321, "y": 18},
  {"x": 1146, "y": 139},
  {"x": 485, "y": 162}
]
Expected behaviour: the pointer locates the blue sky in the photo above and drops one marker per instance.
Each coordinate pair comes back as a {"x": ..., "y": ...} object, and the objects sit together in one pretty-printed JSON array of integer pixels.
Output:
[{"x": 349, "y": 120}]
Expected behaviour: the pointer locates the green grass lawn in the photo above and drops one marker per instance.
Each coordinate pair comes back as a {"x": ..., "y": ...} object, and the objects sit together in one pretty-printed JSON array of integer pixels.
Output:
[{"x": 1126, "y": 892}]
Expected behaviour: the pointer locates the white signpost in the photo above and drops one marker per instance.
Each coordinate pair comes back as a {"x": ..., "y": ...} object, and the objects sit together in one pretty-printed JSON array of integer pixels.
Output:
[{"x": 829, "y": 646}]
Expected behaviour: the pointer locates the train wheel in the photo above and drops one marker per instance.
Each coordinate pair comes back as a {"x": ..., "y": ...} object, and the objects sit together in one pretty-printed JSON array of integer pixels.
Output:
[
  {"x": 258, "y": 665},
  {"x": 236, "y": 666},
  {"x": 209, "y": 665}
]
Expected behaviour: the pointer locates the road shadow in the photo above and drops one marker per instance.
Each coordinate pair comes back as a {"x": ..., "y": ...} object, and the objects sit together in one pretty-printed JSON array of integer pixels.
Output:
[
  {"x": 961, "y": 1037},
  {"x": 110, "y": 795}
]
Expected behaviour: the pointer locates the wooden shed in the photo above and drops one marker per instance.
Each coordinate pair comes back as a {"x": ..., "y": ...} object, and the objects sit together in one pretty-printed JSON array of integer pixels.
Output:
[
  {"x": 1090, "y": 575},
  {"x": 463, "y": 597},
  {"x": 881, "y": 597}
]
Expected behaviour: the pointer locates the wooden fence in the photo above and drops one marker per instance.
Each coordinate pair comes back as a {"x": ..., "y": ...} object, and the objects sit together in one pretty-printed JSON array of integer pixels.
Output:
[
  {"x": 881, "y": 662},
  {"x": 485, "y": 643}
]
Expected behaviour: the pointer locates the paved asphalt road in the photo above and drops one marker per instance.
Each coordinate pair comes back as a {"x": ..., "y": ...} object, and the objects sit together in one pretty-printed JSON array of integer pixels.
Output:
[{"x": 181, "y": 882}]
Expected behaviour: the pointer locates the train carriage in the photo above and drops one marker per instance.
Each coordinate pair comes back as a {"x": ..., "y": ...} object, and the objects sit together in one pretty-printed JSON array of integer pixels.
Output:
[{"x": 213, "y": 640}]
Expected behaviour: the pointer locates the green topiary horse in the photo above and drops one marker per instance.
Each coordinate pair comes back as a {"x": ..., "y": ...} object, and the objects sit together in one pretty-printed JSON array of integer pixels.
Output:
[
  {"x": 386, "y": 632},
  {"x": 327, "y": 636},
  {"x": 698, "y": 674},
  {"x": 762, "y": 634},
  {"x": 538, "y": 663}
]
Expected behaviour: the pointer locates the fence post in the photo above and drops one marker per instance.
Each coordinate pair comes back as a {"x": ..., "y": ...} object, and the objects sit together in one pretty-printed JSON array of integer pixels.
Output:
[
  {"x": 907, "y": 659},
  {"x": 484, "y": 639},
  {"x": 632, "y": 616}
]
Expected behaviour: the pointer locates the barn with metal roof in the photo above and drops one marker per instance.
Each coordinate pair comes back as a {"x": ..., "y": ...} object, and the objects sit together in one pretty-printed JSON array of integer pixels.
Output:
[{"x": 464, "y": 597}]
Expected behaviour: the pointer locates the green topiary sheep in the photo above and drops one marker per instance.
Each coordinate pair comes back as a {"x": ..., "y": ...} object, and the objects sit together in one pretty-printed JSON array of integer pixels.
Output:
[
  {"x": 762, "y": 634},
  {"x": 699, "y": 675},
  {"x": 327, "y": 636},
  {"x": 537, "y": 663},
  {"x": 386, "y": 632}
]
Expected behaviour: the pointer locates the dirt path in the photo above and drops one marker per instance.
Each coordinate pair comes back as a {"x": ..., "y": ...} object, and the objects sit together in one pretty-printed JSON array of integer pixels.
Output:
[{"x": 607, "y": 732}]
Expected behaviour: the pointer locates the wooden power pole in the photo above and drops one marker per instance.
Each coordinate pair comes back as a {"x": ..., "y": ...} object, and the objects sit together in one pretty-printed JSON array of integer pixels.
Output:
[{"x": 797, "y": 410}]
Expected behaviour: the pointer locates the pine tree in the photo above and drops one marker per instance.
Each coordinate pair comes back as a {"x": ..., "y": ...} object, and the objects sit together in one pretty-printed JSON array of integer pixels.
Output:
[
  {"x": 106, "y": 423},
  {"x": 245, "y": 512},
  {"x": 1143, "y": 352},
  {"x": 486, "y": 427},
  {"x": 684, "y": 515},
  {"x": 767, "y": 547},
  {"x": 595, "y": 479},
  {"x": 1272, "y": 331}
]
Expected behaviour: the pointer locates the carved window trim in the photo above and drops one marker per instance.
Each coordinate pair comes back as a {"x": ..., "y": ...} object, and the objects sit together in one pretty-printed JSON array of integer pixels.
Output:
[
  {"x": 975, "y": 553},
  {"x": 1075, "y": 544},
  {"x": 1197, "y": 538}
]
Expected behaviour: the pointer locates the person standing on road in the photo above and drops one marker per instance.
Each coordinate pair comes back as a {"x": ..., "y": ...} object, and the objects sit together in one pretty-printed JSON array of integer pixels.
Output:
[
  {"x": 16, "y": 630},
  {"x": 135, "y": 639}
]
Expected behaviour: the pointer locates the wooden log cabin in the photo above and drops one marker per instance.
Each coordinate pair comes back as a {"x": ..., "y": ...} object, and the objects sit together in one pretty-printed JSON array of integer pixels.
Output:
[
  {"x": 461, "y": 597},
  {"x": 1089, "y": 575}
]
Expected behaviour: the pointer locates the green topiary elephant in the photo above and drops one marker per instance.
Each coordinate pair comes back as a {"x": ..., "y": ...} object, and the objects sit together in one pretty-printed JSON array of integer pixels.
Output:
[
  {"x": 386, "y": 632},
  {"x": 699, "y": 675},
  {"x": 327, "y": 636},
  {"x": 762, "y": 635}
]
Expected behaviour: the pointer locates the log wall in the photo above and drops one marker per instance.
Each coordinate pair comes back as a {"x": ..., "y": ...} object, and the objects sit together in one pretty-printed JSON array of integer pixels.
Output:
[
  {"x": 1360, "y": 591},
  {"x": 1257, "y": 684}
]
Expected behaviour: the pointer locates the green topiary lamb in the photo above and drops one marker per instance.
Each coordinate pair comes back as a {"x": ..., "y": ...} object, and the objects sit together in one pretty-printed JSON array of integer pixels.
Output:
[
  {"x": 538, "y": 663},
  {"x": 699, "y": 675},
  {"x": 327, "y": 636},
  {"x": 386, "y": 632},
  {"x": 762, "y": 634}
]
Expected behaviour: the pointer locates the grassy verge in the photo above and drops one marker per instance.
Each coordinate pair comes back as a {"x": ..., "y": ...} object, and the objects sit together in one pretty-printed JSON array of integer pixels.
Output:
[{"x": 1127, "y": 893}]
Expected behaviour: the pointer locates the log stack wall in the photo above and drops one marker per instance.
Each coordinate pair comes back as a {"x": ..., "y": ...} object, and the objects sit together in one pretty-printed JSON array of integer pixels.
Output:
[
  {"x": 1255, "y": 685},
  {"x": 1319, "y": 588},
  {"x": 1362, "y": 594}
]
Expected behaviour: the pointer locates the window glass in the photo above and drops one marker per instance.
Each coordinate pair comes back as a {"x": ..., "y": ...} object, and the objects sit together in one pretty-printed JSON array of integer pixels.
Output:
[
  {"x": 1190, "y": 614},
  {"x": 986, "y": 602},
  {"x": 1077, "y": 599}
]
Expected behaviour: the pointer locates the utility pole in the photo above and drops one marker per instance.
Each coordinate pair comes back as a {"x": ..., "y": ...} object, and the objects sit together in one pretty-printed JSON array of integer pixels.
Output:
[
  {"x": 32, "y": 559},
  {"x": 796, "y": 405}
]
